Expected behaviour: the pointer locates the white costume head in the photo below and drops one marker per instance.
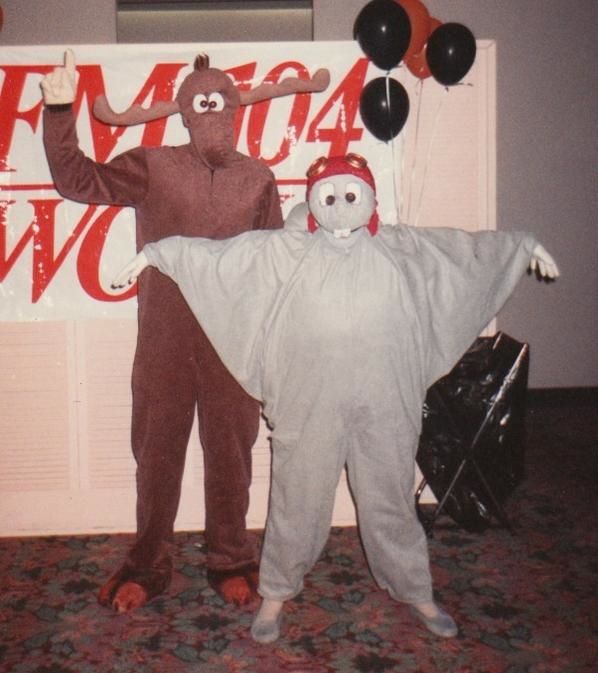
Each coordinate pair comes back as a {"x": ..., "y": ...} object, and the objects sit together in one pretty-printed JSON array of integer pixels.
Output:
[{"x": 341, "y": 194}]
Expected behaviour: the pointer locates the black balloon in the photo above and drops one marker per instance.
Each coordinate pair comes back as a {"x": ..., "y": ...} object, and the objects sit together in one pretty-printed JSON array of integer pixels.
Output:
[
  {"x": 384, "y": 109},
  {"x": 450, "y": 53},
  {"x": 383, "y": 31}
]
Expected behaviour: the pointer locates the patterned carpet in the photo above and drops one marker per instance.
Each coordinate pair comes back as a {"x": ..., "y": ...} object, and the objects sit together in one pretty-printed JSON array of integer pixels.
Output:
[{"x": 525, "y": 603}]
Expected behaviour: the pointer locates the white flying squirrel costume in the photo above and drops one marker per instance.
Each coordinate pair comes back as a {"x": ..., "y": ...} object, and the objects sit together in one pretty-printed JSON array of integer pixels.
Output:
[{"x": 339, "y": 326}]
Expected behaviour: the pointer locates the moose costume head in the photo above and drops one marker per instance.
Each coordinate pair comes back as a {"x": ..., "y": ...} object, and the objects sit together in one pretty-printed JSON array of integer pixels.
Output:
[{"x": 208, "y": 101}]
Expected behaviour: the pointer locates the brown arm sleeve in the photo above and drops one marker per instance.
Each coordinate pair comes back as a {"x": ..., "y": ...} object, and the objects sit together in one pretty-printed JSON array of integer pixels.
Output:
[
  {"x": 270, "y": 212},
  {"x": 122, "y": 181}
]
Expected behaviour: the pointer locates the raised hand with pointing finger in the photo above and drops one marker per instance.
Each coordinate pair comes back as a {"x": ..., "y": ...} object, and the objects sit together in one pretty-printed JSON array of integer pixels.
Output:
[{"x": 60, "y": 86}]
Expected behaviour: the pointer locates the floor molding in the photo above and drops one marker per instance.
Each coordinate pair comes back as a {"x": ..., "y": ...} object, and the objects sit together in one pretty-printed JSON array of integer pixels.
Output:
[{"x": 543, "y": 397}]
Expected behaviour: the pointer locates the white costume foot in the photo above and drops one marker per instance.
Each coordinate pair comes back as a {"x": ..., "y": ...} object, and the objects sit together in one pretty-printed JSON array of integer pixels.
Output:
[
  {"x": 435, "y": 619},
  {"x": 266, "y": 624}
]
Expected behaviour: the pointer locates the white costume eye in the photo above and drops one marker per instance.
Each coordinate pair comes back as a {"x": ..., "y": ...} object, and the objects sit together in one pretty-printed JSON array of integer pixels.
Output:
[
  {"x": 326, "y": 194},
  {"x": 216, "y": 102},
  {"x": 353, "y": 193},
  {"x": 201, "y": 103}
]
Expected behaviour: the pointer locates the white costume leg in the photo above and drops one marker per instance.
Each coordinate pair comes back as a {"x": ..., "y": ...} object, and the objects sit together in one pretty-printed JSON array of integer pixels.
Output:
[
  {"x": 305, "y": 473},
  {"x": 381, "y": 464}
]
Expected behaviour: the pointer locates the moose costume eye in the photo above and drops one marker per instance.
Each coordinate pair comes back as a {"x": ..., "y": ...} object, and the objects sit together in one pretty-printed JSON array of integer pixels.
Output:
[
  {"x": 216, "y": 102},
  {"x": 212, "y": 103},
  {"x": 201, "y": 103}
]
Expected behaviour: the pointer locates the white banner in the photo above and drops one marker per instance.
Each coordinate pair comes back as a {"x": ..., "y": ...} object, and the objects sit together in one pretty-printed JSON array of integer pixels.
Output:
[{"x": 57, "y": 257}]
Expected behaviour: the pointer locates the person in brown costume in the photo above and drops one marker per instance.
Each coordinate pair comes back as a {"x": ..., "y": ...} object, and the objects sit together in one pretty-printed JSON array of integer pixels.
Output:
[{"x": 203, "y": 188}]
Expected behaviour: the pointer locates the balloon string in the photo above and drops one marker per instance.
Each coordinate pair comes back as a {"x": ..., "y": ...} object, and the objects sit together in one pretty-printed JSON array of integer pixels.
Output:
[
  {"x": 401, "y": 196},
  {"x": 419, "y": 92},
  {"x": 427, "y": 163},
  {"x": 392, "y": 146}
]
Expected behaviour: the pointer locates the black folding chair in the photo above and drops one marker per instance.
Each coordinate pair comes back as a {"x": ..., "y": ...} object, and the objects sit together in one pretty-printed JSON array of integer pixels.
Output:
[{"x": 471, "y": 448}]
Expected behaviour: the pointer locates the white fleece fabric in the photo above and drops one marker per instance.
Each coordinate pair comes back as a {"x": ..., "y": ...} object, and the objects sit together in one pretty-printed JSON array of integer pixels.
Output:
[{"x": 340, "y": 340}]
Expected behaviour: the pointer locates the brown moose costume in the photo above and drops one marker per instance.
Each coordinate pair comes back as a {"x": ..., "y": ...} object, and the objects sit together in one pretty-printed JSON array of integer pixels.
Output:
[{"x": 204, "y": 188}]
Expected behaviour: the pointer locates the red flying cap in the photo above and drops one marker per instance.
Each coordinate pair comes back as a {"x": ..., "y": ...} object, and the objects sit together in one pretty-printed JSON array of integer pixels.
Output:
[{"x": 325, "y": 167}]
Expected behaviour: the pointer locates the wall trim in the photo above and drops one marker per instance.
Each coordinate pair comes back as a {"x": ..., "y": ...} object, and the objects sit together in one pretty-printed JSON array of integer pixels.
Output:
[{"x": 568, "y": 397}]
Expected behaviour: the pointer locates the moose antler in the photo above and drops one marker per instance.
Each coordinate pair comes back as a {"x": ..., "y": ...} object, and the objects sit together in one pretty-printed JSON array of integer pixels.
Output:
[
  {"x": 137, "y": 114},
  {"x": 266, "y": 91}
]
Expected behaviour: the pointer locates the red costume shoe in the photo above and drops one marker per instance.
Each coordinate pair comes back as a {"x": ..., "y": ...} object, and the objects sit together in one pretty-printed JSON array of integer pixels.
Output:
[{"x": 238, "y": 585}]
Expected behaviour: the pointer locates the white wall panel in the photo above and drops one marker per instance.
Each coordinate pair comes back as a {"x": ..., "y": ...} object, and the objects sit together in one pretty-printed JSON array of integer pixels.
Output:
[{"x": 35, "y": 409}]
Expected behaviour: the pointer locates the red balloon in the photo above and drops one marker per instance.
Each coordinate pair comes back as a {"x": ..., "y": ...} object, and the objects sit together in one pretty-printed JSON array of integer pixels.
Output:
[
  {"x": 417, "y": 64},
  {"x": 419, "y": 18}
]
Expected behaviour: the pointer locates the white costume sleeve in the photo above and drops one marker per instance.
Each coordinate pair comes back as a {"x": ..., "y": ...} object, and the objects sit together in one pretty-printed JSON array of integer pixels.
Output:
[
  {"x": 231, "y": 287},
  {"x": 456, "y": 282},
  {"x": 460, "y": 281}
]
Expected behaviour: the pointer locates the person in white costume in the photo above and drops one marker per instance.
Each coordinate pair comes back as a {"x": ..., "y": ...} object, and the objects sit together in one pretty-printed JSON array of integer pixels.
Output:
[{"x": 339, "y": 326}]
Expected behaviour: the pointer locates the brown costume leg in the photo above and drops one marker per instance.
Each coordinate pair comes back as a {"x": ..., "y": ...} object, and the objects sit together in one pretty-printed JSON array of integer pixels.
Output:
[
  {"x": 164, "y": 401},
  {"x": 228, "y": 428},
  {"x": 175, "y": 370}
]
